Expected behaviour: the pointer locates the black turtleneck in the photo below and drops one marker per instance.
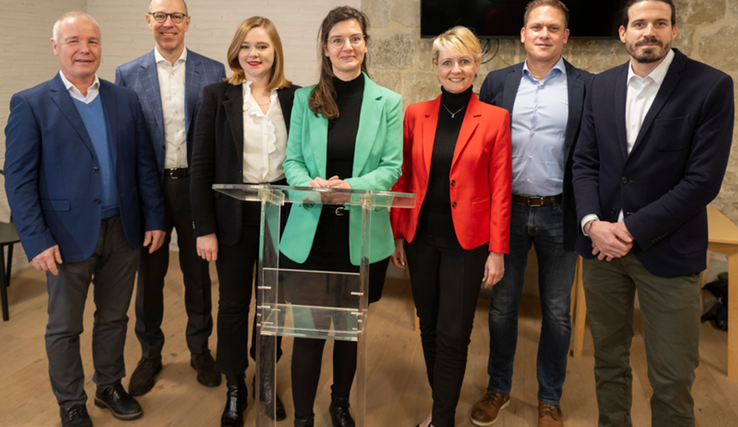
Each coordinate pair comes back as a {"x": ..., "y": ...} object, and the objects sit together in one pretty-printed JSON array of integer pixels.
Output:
[
  {"x": 435, "y": 214},
  {"x": 342, "y": 131}
]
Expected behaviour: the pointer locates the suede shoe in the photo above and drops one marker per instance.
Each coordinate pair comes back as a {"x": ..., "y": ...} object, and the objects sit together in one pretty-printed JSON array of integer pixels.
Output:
[
  {"x": 121, "y": 404},
  {"x": 144, "y": 377},
  {"x": 204, "y": 364},
  {"x": 75, "y": 416},
  {"x": 550, "y": 415},
  {"x": 486, "y": 411}
]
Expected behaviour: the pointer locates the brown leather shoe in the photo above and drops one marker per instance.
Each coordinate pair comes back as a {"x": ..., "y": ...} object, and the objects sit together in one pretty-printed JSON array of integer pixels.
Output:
[
  {"x": 144, "y": 377},
  {"x": 549, "y": 416},
  {"x": 204, "y": 364},
  {"x": 485, "y": 412}
]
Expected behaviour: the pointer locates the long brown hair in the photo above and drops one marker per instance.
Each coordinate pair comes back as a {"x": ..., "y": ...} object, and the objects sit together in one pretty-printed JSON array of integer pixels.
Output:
[
  {"x": 277, "y": 80},
  {"x": 323, "y": 97}
]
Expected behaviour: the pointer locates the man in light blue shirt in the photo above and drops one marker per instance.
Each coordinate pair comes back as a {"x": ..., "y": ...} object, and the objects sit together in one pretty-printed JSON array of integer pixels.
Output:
[{"x": 545, "y": 96}]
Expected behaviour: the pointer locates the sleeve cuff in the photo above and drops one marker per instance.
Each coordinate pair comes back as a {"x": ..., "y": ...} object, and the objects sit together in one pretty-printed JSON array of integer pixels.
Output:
[{"x": 587, "y": 218}]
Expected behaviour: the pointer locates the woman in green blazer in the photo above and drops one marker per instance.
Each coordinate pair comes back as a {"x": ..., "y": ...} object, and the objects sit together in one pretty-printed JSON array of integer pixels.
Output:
[{"x": 346, "y": 132}]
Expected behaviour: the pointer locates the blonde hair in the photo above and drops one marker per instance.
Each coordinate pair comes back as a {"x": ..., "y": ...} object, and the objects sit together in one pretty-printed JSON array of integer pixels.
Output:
[
  {"x": 277, "y": 80},
  {"x": 460, "y": 39}
]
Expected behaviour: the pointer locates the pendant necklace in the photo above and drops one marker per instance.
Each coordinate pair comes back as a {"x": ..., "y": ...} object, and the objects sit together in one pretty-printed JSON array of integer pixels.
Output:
[{"x": 453, "y": 114}]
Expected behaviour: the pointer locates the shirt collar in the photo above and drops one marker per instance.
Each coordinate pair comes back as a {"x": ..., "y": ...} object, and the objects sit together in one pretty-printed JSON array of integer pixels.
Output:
[
  {"x": 558, "y": 66},
  {"x": 69, "y": 85},
  {"x": 659, "y": 73},
  {"x": 159, "y": 58}
]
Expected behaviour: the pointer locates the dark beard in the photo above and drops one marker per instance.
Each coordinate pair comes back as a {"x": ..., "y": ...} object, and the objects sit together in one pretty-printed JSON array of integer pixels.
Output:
[{"x": 648, "y": 56}]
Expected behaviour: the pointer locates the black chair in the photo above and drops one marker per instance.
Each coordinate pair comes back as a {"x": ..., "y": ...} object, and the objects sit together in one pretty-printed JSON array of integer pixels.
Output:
[{"x": 8, "y": 237}]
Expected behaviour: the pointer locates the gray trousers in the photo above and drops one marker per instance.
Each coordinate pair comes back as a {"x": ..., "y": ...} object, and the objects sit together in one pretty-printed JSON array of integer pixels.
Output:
[
  {"x": 671, "y": 332},
  {"x": 111, "y": 269}
]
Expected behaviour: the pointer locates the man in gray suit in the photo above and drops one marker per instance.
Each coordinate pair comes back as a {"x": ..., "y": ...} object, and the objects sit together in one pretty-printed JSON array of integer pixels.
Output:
[
  {"x": 169, "y": 82},
  {"x": 545, "y": 98}
]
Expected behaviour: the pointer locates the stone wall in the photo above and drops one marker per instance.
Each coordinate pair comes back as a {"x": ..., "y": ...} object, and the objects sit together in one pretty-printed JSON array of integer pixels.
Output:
[{"x": 400, "y": 59}]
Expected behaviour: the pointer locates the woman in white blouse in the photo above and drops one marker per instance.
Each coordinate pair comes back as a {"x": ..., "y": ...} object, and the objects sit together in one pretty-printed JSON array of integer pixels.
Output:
[{"x": 240, "y": 138}]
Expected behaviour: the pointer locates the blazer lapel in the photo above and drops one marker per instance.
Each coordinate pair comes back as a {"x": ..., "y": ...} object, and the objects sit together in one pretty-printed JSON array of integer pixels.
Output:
[
  {"x": 233, "y": 106},
  {"x": 470, "y": 123},
  {"x": 512, "y": 83},
  {"x": 575, "y": 91},
  {"x": 371, "y": 112},
  {"x": 621, "y": 95},
  {"x": 149, "y": 78},
  {"x": 193, "y": 76},
  {"x": 430, "y": 124},
  {"x": 110, "y": 107},
  {"x": 318, "y": 142},
  {"x": 60, "y": 96}
]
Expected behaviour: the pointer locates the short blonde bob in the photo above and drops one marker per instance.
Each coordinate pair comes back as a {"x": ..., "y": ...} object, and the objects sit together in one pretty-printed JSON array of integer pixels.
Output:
[
  {"x": 277, "y": 80},
  {"x": 460, "y": 39}
]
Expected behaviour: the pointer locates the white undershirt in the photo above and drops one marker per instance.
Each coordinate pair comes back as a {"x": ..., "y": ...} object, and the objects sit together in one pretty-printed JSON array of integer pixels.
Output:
[
  {"x": 172, "y": 89},
  {"x": 264, "y": 139}
]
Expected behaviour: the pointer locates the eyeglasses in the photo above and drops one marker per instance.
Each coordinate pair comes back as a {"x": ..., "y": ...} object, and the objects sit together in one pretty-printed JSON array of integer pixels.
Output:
[
  {"x": 160, "y": 17},
  {"x": 338, "y": 41}
]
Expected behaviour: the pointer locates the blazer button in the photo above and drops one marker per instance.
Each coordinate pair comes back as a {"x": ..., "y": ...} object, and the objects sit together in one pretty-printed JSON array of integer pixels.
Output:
[
  {"x": 624, "y": 180},
  {"x": 453, "y": 183},
  {"x": 96, "y": 169},
  {"x": 453, "y": 205},
  {"x": 96, "y": 201}
]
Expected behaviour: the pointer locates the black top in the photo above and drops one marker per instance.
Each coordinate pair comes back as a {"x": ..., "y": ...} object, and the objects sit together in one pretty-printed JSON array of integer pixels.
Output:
[
  {"x": 435, "y": 214},
  {"x": 342, "y": 131}
]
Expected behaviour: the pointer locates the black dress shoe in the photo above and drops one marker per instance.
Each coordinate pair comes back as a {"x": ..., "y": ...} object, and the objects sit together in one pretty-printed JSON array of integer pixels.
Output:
[
  {"x": 268, "y": 396},
  {"x": 305, "y": 422},
  {"x": 144, "y": 377},
  {"x": 236, "y": 401},
  {"x": 75, "y": 416},
  {"x": 205, "y": 367},
  {"x": 120, "y": 403},
  {"x": 339, "y": 410}
]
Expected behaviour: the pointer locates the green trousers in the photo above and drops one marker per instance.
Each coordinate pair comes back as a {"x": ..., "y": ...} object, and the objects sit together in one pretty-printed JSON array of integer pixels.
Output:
[{"x": 671, "y": 331}]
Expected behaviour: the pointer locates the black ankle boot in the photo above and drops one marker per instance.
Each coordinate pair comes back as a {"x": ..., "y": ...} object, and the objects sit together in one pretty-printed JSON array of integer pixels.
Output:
[
  {"x": 273, "y": 404},
  {"x": 305, "y": 422},
  {"x": 236, "y": 401},
  {"x": 339, "y": 410}
]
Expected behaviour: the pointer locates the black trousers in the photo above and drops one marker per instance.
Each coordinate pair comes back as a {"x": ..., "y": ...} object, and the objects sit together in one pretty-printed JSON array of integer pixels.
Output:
[
  {"x": 153, "y": 268},
  {"x": 446, "y": 280}
]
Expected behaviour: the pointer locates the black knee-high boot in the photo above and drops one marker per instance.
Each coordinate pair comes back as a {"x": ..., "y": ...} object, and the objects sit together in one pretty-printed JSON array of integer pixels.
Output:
[{"x": 236, "y": 401}]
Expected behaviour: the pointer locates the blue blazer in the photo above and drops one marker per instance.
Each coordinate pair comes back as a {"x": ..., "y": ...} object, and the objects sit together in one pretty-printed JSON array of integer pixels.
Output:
[
  {"x": 674, "y": 170},
  {"x": 141, "y": 76},
  {"x": 500, "y": 88},
  {"x": 51, "y": 170}
]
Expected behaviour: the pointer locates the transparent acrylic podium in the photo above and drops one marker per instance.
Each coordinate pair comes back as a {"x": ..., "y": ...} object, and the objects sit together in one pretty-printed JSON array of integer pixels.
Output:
[{"x": 309, "y": 303}]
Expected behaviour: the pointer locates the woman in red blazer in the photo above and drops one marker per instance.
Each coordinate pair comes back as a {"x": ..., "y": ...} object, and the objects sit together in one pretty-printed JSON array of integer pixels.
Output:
[{"x": 457, "y": 159}]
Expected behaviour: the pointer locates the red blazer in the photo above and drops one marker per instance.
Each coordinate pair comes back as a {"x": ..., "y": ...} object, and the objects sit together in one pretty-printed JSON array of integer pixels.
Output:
[{"x": 480, "y": 178}]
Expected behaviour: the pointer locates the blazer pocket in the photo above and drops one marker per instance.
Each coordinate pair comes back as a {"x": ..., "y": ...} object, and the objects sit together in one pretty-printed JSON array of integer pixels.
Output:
[
  {"x": 672, "y": 134},
  {"x": 55, "y": 205}
]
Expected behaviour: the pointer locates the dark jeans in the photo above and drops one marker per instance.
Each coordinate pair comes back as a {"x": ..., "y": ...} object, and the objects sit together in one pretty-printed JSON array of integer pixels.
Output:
[
  {"x": 543, "y": 227},
  {"x": 670, "y": 307},
  {"x": 195, "y": 275},
  {"x": 111, "y": 269},
  {"x": 446, "y": 280}
]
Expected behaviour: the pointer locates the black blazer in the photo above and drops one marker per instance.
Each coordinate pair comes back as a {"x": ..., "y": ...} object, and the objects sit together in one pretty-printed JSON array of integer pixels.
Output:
[
  {"x": 217, "y": 158},
  {"x": 500, "y": 88},
  {"x": 674, "y": 170}
]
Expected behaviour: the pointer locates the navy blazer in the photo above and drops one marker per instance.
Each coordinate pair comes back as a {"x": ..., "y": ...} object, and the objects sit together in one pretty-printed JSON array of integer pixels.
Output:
[
  {"x": 51, "y": 170},
  {"x": 141, "y": 76},
  {"x": 500, "y": 88},
  {"x": 674, "y": 170}
]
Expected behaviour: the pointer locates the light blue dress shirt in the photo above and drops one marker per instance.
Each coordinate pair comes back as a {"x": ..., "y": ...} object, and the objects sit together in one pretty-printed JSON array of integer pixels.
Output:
[{"x": 539, "y": 119}]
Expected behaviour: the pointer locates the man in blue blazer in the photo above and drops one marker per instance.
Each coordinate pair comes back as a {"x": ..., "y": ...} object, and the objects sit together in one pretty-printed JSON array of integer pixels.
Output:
[
  {"x": 83, "y": 187},
  {"x": 169, "y": 81},
  {"x": 655, "y": 139},
  {"x": 544, "y": 96}
]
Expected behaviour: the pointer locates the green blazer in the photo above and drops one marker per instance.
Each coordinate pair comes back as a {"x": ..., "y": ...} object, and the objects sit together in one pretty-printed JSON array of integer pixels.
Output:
[{"x": 377, "y": 166}]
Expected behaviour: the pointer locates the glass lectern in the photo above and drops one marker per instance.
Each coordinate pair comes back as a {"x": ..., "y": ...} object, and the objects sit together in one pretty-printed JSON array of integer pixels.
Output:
[{"x": 308, "y": 303}]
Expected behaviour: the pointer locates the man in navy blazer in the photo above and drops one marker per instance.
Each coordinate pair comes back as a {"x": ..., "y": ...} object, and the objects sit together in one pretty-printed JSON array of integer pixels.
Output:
[
  {"x": 545, "y": 98},
  {"x": 169, "y": 81},
  {"x": 82, "y": 184},
  {"x": 656, "y": 135}
]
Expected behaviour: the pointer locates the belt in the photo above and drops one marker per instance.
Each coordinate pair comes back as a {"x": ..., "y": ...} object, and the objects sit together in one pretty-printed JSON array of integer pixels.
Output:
[
  {"x": 535, "y": 201},
  {"x": 177, "y": 173}
]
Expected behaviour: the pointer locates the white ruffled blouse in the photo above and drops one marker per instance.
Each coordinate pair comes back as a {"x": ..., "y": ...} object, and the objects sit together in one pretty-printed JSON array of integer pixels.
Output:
[{"x": 264, "y": 139}]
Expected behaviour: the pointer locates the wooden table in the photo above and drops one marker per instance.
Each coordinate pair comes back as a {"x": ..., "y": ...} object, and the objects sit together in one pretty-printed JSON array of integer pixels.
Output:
[{"x": 722, "y": 238}]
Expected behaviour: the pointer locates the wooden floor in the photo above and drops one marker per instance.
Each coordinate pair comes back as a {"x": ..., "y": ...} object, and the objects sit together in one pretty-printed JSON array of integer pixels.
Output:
[{"x": 399, "y": 395}]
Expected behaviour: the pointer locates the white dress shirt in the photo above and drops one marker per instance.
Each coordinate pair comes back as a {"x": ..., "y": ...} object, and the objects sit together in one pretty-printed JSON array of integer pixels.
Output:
[
  {"x": 264, "y": 139},
  {"x": 172, "y": 89},
  {"x": 641, "y": 94},
  {"x": 92, "y": 91}
]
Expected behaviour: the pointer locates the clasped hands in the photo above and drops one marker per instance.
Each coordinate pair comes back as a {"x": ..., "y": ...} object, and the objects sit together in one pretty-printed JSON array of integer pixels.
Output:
[
  {"x": 332, "y": 182},
  {"x": 610, "y": 240}
]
